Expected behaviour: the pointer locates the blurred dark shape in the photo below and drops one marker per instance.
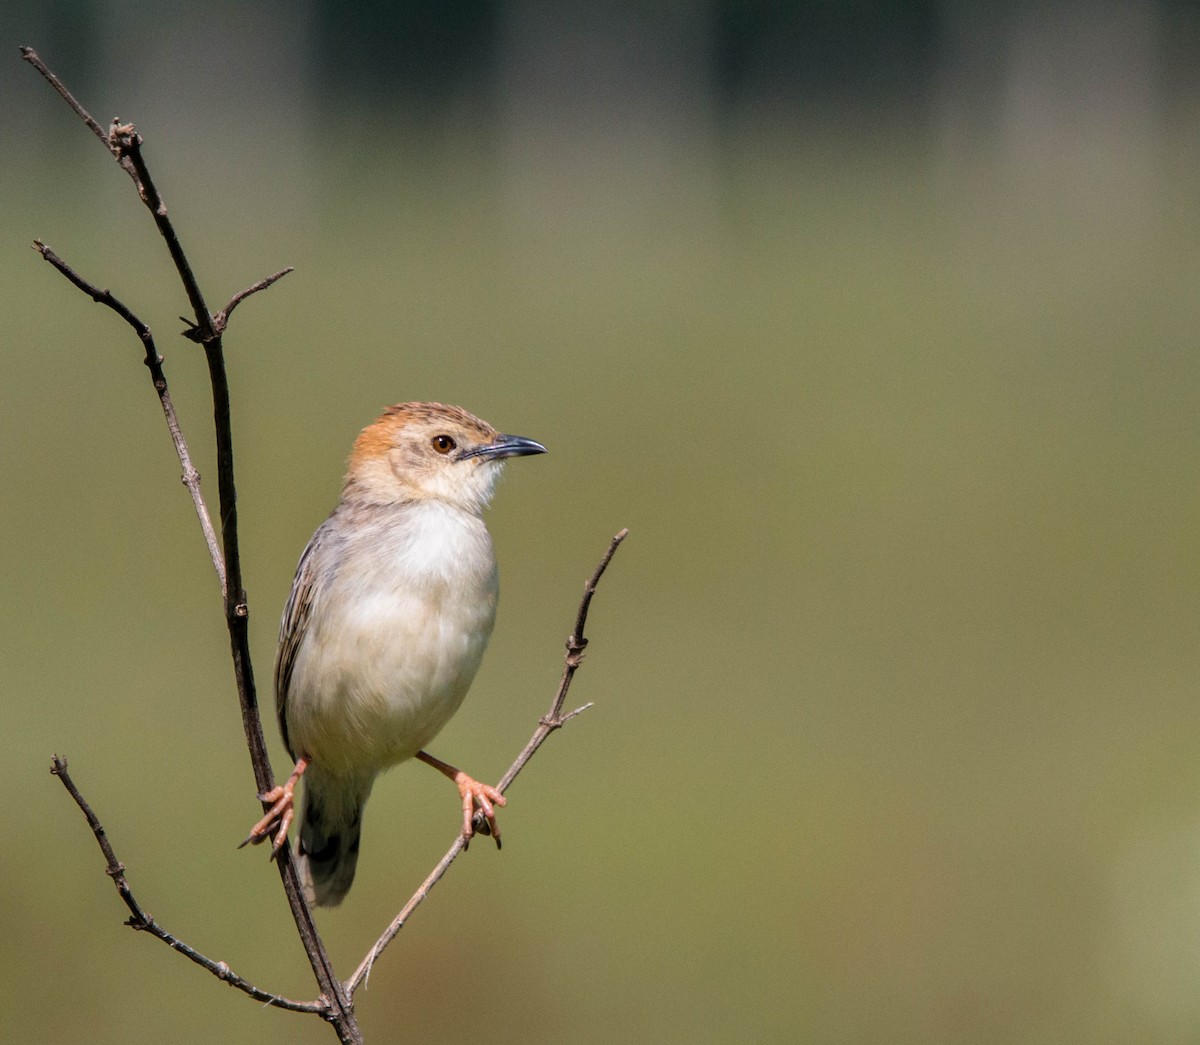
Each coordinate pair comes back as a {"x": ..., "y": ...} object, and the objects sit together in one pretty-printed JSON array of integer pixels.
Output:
[
  {"x": 420, "y": 55},
  {"x": 774, "y": 51},
  {"x": 423, "y": 56}
]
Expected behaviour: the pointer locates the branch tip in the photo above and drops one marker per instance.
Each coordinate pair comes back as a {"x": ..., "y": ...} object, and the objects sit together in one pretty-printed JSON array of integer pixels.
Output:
[
  {"x": 32, "y": 57},
  {"x": 221, "y": 319}
]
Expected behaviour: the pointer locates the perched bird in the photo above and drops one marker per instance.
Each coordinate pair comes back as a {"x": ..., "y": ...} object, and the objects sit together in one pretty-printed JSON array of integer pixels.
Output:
[{"x": 390, "y": 612}]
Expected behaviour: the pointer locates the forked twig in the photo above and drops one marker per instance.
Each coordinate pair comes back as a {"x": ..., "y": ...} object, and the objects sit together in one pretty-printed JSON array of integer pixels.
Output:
[{"x": 552, "y": 720}]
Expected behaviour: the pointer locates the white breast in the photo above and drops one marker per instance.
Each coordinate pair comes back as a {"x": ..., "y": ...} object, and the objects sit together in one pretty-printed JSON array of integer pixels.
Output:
[{"x": 394, "y": 640}]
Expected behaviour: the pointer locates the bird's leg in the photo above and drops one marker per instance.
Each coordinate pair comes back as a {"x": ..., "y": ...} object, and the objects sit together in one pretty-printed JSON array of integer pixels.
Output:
[
  {"x": 281, "y": 813},
  {"x": 473, "y": 794}
]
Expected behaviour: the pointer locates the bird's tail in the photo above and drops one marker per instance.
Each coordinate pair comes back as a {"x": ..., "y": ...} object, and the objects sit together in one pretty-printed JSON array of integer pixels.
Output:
[{"x": 330, "y": 830}]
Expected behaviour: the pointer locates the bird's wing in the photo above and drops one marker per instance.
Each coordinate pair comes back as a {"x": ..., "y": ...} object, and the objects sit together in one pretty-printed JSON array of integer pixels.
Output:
[{"x": 292, "y": 629}]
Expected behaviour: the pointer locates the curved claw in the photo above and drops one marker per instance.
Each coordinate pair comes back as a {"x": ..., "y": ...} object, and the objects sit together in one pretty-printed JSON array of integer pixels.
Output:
[
  {"x": 278, "y": 819},
  {"x": 484, "y": 796}
]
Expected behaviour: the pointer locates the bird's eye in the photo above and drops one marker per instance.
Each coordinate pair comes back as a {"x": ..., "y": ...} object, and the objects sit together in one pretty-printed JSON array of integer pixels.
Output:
[{"x": 443, "y": 444}]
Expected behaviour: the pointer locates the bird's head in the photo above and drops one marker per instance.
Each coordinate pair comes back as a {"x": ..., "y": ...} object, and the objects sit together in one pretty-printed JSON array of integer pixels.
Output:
[{"x": 431, "y": 451}]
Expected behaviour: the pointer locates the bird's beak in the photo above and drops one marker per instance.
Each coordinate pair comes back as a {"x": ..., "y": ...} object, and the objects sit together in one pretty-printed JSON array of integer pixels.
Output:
[{"x": 504, "y": 446}]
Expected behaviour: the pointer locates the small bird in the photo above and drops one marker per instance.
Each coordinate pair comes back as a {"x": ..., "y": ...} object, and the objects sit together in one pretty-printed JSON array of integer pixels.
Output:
[{"x": 390, "y": 611}]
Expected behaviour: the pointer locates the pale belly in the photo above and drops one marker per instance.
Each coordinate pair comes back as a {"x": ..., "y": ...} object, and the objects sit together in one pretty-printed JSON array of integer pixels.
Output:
[{"x": 381, "y": 671}]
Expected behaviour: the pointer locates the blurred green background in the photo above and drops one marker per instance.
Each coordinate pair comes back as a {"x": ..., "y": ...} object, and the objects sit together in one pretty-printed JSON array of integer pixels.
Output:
[{"x": 875, "y": 323}]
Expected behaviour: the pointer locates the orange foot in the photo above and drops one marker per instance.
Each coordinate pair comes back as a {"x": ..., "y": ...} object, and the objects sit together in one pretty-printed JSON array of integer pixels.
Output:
[
  {"x": 278, "y": 818},
  {"x": 474, "y": 794}
]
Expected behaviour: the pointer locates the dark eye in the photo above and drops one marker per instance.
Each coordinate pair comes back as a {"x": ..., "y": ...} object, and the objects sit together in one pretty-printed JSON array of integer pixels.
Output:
[{"x": 443, "y": 444}]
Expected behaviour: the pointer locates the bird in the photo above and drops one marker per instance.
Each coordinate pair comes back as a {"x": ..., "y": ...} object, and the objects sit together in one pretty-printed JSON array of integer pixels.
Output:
[{"x": 390, "y": 612}]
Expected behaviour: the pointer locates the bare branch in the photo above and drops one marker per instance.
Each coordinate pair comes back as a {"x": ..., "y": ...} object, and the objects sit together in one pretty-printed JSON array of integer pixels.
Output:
[
  {"x": 190, "y": 477},
  {"x": 552, "y": 720},
  {"x": 125, "y": 144},
  {"x": 141, "y": 921}
]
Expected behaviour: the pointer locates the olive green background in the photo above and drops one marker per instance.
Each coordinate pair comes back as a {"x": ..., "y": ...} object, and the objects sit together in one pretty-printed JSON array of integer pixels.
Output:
[{"x": 895, "y": 735}]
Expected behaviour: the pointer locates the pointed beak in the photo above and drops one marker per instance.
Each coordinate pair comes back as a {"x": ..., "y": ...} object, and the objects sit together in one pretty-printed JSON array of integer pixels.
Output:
[{"x": 504, "y": 446}]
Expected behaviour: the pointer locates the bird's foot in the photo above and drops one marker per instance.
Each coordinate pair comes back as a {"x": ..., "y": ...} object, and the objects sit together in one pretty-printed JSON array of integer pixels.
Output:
[
  {"x": 479, "y": 801},
  {"x": 278, "y": 818},
  {"x": 478, "y": 804}
]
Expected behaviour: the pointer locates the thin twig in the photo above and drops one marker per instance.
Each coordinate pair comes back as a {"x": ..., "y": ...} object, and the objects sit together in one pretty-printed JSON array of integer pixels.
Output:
[
  {"x": 142, "y": 921},
  {"x": 576, "y": 642},
  {"x": 153, "y": 361},
  {"x": 31, "y": 56},
  {"x": 552, "y": 720},
  {"x": 221, "y": 319}
]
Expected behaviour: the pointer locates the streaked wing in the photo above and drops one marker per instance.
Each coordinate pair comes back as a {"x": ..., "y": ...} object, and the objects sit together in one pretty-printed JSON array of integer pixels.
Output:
[{"x": 296, "y": 615}]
